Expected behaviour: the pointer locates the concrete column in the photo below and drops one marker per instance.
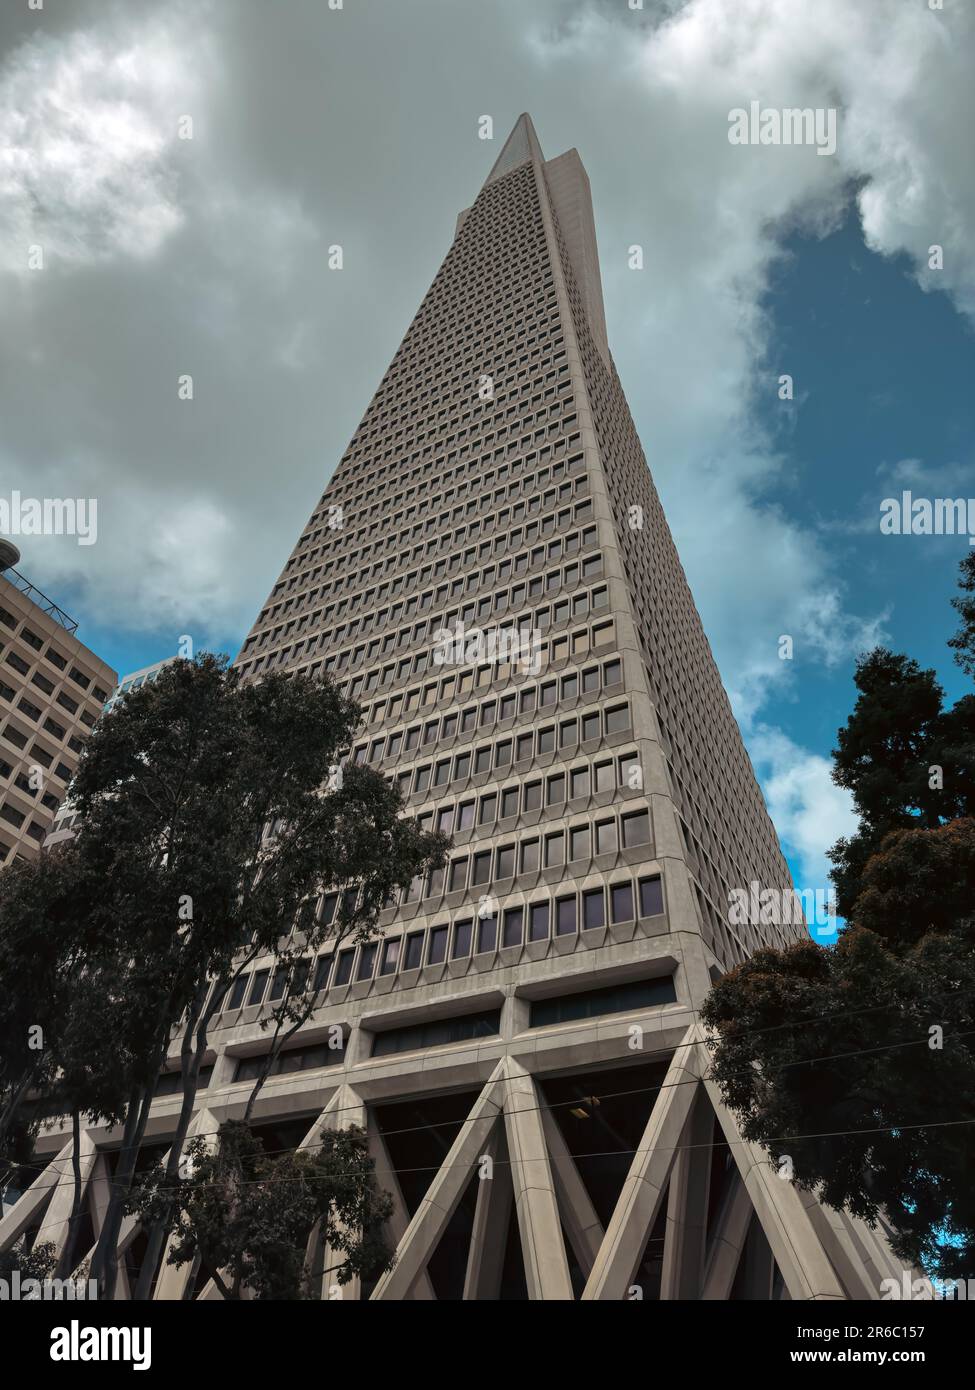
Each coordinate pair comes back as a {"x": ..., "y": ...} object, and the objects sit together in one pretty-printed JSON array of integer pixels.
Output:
[
  {"x": 444, "y": 1193},
  {"x": 546, "y": 1268},
  {"x": 492, "y": 1218},
  {"x": 639, "y": 1203},
  {"x": 727, "y": 1244},
  {"x": 400, "y": 1219},
  {"x": 54, "y": 1227},
  {"x": 687, "y": 1208},
  {"x": 582, "y": 1225},
  {"x": 797, "y": 1249}
]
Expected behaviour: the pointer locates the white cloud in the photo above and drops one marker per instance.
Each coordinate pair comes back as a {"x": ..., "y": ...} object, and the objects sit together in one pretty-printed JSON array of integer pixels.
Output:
[
  {"x": 808, "y": 810},
  {"x": 88, "y": 167}
]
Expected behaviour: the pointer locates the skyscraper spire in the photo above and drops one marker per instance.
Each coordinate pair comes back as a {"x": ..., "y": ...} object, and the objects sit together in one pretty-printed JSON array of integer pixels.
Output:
[{"x": 521, "y": 145}]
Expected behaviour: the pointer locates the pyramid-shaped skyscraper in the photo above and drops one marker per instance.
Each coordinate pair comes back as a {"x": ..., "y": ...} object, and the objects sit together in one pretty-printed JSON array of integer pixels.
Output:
[{"x": 491, "y": 575}]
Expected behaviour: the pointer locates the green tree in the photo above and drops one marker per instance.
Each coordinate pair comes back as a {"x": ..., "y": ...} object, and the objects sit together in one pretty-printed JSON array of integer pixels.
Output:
[
  {"x": 257, "y": 1222},
  {"x": 211, "y": 812},
  {"x": 857, "y": 1061}
]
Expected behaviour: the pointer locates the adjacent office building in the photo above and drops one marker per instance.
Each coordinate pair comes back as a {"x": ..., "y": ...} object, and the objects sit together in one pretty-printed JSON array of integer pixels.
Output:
[
  {"x": 52, "y": 689},
  {"x": 490, "y": 573}
]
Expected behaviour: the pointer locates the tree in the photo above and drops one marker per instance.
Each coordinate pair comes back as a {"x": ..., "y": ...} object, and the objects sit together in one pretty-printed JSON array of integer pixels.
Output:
[
  {"x": 856, "y": 1061},
  {"x": 963, "y": 642},
  {"x": 833, "y": 1059},
  {"x": 52, "y": 998},
  {"x": 250, "y": 1218},
  {"x": 211, "y": 811}
]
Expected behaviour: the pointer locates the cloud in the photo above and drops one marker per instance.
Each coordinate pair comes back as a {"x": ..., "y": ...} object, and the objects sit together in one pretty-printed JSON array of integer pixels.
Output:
[
  {"x": 809, "y": 811},
  {"x": 88, "y": 167}
]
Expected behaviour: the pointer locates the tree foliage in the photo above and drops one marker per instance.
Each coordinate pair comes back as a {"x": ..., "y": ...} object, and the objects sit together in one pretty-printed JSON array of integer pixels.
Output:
[
  {"x": 250, "y": 1217},
  {"x": 857, "y": 1061},
  {"x": 213, "y": 815}
]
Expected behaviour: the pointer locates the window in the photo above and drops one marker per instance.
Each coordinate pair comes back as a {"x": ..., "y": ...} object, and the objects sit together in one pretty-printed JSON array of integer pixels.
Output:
[
  {"x": 590, "y": 727},
  {"x": 651, "y": 897},
  {"x": 465, "y": 815},
  {"x": 463, "y": 932},
  {"x": 489, "y": 809},
  {"x": 414, "y": 951},
  {"x": 617, "y": 719},
  {"x": 258, "y": 984},
  {"x": 505, "y": 867},
  {"x": 556, "y": 789},
  {"x": 554, "y": 850},
  {"x": 437, "y": 1033},
  {"x": 482, "y": 868},
  {"x": 579, "y": 783},
  {"x": 366, "y": 961},
  {"x": 565, "y": 922},
  {"x": 295, "y": 1059},
  {"x": 513, "y": 925},
  {"x": 546, "y": 739},
  {"x": 579, "y": 842},
  {"x": 390, "y": 958},
  {"x": 487, "y": 934},
  {"x": 509, "y": 802},
  {"x": 343, "y": 971},
  {"x": 621, "y": 902},
  {"x": 538, "y": 922},
  {"x": 533, "y": 796},
  {"x": 458, "y": 875},
  {"x": 237, "y": 992},
  {"x": 593, "y": 908},
  {"x": 605, "y": 777},
  {"x": 612, "y": 673},
  {"x": 636, "y": 830},
  {"x": 438, "y": 946},
  {"x": 613, "y": 999},
  {"x": 529, "y": 856},
  {"x": 606, "y": 837}
]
